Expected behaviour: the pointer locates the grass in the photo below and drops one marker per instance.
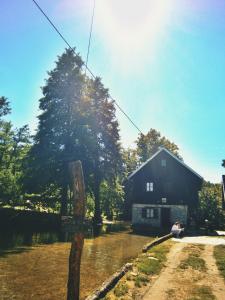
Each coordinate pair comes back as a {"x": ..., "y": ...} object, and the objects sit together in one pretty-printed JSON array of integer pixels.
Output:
[
  {"x": 153, "y": 266},
  {"x": 202, "y": 293},
  {"x": 194, "y": 260},
  {"x": 141, "y": 280},
  {"x": 171, "y": 293},
  {"x": 219, "y": 254},
  {"x": 121, "y": 289},
  {"x": 134, "y": 283}
]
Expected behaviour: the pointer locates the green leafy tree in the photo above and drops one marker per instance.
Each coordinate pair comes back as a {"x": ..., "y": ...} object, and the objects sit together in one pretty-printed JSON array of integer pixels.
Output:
[
  {"x": 210, "y": 203},
  {"x": 14, "y": 145},
  {"x": 130, "y": 161},
  {"x": 148, "y": 144},
  {"x": 112, "y": 199}
]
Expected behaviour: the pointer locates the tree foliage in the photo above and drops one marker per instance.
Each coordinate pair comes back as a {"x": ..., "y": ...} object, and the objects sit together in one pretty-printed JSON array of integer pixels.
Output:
[
  {"x": 148, "y": 144},
  {"x": 77, "y": 122},
  {"x": 14, "y": 145},
  {"x": 210, "y": 206}
]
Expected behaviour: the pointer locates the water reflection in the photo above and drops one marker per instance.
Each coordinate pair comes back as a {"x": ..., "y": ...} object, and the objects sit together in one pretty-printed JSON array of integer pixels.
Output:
[
  {"x": 43, "y": 268},
  {"x": 11, "y": 239}
]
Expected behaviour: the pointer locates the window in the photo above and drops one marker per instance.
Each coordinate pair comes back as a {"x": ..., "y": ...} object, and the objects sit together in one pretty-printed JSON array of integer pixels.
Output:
[
  {"x": 163, "y": 162},
  {"x": 149, "y": 186},
  {"x": 164, "y": 200},
  {"x": 150, "y": 213}
]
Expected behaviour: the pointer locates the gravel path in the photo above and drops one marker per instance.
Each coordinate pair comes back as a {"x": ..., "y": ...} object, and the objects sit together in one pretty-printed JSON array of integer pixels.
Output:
[
  {"x": 205, "y": 240},
  {"x": 215, "y": 280},
  {"x": 178, "y": 284},
  {"x": 164, "y": 282}
]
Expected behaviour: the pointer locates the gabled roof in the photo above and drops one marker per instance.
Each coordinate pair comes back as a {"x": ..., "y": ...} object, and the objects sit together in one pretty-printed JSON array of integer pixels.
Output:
[{"x": 171, "y": 154}]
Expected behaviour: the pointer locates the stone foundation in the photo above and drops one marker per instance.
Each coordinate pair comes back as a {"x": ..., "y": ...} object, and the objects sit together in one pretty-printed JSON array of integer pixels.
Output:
[{"x": 177, "y": 213}]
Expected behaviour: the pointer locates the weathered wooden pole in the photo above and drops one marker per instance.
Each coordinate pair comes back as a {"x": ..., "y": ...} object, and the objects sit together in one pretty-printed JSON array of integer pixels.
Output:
[{"x": 79, "y": 201}]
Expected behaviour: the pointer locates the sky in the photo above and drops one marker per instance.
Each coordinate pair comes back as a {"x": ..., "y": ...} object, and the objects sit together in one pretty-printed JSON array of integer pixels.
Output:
[{"x": 163, "y": 62}]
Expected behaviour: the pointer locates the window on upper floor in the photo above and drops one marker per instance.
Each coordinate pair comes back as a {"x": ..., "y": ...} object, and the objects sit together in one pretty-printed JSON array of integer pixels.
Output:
[
  {"x": 149, "y": 186},
  {"x": 163, "y": 162}
]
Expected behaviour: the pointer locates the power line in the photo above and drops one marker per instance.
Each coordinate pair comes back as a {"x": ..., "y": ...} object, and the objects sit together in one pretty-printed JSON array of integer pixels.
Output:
[
  {"x": 90, "y": 35},
  {"x": 85, "y": 64}
]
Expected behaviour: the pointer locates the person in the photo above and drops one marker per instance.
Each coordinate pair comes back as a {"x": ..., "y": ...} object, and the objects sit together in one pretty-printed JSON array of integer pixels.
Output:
[{"x": 176, "y": 229}]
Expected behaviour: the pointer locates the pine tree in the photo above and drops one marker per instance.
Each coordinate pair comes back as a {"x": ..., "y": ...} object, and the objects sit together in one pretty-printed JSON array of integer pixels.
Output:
[
  {"x": 104, "y": 146},
  {"x": 59, "y": 135},
  {"x": 77, "y": 122}
]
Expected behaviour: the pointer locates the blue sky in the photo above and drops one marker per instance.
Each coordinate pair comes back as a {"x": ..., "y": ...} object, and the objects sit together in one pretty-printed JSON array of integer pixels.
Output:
[{"x": 164, "y": 62}]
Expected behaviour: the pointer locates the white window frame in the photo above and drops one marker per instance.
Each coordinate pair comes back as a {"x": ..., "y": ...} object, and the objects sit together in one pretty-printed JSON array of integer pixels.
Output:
[
  {"x": 151, "y": 213},
  {"x": 149, "y": 186},
  {"x": 164, "y": 200}
]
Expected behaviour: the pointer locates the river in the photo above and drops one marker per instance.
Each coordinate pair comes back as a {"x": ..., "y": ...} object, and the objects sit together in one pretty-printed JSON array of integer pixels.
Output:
[{"x": 35, "y": 265}]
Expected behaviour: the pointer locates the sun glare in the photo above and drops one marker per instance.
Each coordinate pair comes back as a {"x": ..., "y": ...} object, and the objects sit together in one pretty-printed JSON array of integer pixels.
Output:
[{"x": 132, "y": 29}]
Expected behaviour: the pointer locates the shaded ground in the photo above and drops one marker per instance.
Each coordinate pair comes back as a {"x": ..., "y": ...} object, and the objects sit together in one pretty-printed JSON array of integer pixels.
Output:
[{"x": 190, "y": 273}]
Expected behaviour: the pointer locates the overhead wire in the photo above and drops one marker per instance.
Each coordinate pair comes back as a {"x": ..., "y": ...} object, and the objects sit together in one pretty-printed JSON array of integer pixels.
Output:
[
  {"x": 90, "y": 35},
  {"x": 84, "y": 63}
]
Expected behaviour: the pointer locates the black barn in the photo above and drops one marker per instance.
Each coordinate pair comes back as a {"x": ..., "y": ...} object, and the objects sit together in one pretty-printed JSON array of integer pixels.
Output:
[{"x": 163, "y": 190}]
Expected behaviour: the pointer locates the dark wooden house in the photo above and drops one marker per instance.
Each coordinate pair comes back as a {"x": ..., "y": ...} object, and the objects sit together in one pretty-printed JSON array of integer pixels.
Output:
[
  {"x": 223, "y": 191},
  {"x": 163, "y": 190}
]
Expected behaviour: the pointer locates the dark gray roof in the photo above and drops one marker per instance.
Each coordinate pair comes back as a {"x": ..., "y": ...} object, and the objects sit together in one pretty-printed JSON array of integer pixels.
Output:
[{"x": 171, "y": 154}]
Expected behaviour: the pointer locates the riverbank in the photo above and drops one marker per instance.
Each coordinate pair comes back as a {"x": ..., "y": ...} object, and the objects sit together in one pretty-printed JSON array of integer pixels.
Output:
[
  {"x": 164, "y": 269},
  {"x": 12, "y": 219},
  {"x": 146, "y": 267}
]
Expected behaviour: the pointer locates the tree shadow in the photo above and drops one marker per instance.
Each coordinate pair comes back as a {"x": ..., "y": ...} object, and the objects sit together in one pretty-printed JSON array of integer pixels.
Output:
[{"x": 6, "y": 252}]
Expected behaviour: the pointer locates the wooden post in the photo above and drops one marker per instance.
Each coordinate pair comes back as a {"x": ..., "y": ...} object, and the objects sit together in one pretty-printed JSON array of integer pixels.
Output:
[{"x": 79, "y": 200}]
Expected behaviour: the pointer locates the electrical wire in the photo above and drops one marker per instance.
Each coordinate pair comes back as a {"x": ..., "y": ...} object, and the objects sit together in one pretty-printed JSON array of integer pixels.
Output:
[
  {"x": 90, "y": 35},
  {"x": 85, "y": 64}
]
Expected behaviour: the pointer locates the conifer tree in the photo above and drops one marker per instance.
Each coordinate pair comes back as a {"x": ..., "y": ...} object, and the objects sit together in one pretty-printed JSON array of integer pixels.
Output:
[
  {"x": 104, "y": 146},
  {"x": 77, "y": 122},
  {"x": 59, "y": 135}
]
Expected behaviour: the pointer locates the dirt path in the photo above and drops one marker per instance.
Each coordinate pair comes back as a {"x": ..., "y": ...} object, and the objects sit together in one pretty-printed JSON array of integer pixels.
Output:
[
  {"x": 217, "y": 282},
  {"x": 164, "y": 282},
  {"x": 204, "y": 240},
  {"x": 188, "y": 283}
]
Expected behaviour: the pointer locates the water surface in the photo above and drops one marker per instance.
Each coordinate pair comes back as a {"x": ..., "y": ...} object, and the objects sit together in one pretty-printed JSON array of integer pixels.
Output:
[{"x": 35, "y": 266}]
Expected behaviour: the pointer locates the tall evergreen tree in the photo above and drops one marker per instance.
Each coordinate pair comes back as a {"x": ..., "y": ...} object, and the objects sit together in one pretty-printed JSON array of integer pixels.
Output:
[
  {"x": 104, "y": 146},
  {"x": 77, "y": 122},
  {"x": 59, "y": 136},
  {"x": 4, "y": 106}
]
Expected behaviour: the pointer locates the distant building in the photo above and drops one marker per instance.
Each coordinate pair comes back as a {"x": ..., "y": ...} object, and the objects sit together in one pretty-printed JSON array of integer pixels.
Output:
[{"x": 162, "y": 190}]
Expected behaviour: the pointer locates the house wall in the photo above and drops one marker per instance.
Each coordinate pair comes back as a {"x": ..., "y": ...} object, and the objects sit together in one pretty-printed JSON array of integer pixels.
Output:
[
  {"x": 174, "y": 182},
  {"x": 177, "y": 213}
]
